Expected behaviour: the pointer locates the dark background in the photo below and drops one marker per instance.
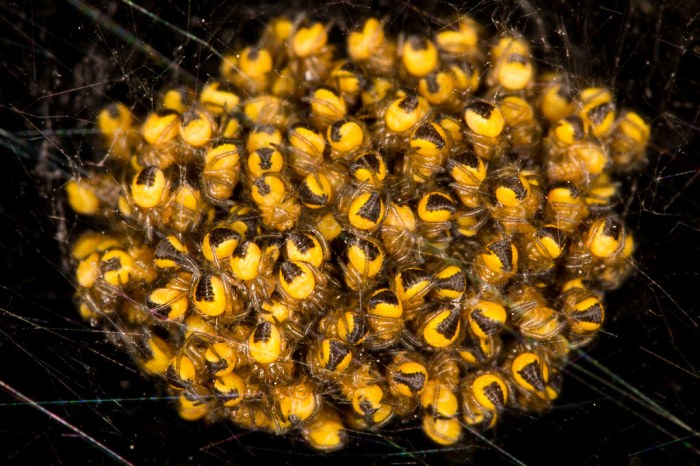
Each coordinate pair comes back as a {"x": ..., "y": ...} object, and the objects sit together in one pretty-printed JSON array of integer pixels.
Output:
[{"x": 61, "y": 61}]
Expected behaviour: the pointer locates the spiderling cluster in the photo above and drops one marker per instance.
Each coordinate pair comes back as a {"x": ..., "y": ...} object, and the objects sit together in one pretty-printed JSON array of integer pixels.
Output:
[{"x": 327, "y": 239}]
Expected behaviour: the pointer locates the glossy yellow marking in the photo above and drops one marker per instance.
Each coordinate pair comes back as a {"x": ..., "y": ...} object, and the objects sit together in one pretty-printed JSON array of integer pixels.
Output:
[
  {"x": 88, "y": 270},
  {"x": 605, "y": 238},
  {"x": 438, "y": 399},
  {"x": 114, "y": 120},
  {"x": 384, "y": 303},
  {"x": 159, "y": 355},
  {"x": 486, "y": 318},
  {"x": 149, "y": 188},
  {"x": 366, "y": 256},
  {"x": 345, "y": 135},
  {"x": 304, "y": 247},
  {"x": 116, "y": 267},
  {"x": 484, "y": 119},
  {"x": 210, "y": 296},
  {"x": 315, "y": 191},
  {"x": 160, "y": 128},
  {"x": 367, "y": 210},
  {"x": 221, "y": 358},
  {"x": 327, "y": 104},
  {"x": 172, "y": 303},
  {"x": 490, "y": 391},
  {"x": 298, "y": 402},
  {"x": 229, "y": 389},
  {"x": 217, "y": 99},
  {"x": 362, "y": 45},
  {"x": 442, "y": 328},
  {"x": 329, "y": 227},
  {"x": 419, "y": 56},
  {"x": 463, "y": 39},
  {"x": 409, "y": 378},
  {"x": 325, "y": 433},
  {"x": 309, "y": 40},
  {"x": 442, "y": 431},
  {"x": 245, "y": 260},
  {"x": 265, "y": 343},
  {"x": 297, "y": 279},
  {"x": 404, "y": 112},
  {"x": 196, "y": 128},
  {"x": 82, "y": 198}
]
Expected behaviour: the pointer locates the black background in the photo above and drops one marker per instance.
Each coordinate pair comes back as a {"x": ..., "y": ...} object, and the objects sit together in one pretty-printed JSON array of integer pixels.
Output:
[{"x": 59, "y": 67}]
